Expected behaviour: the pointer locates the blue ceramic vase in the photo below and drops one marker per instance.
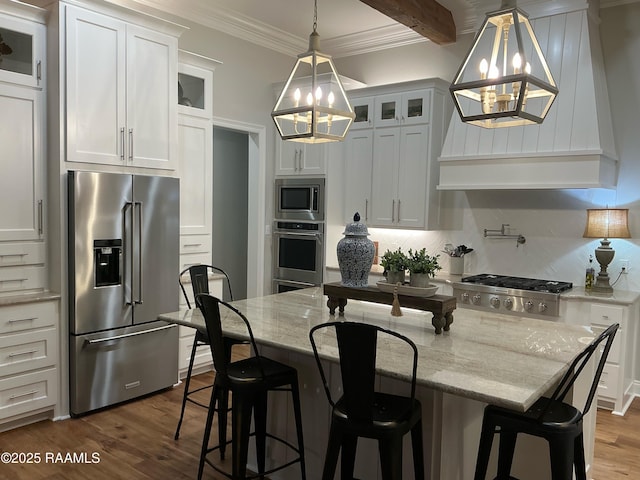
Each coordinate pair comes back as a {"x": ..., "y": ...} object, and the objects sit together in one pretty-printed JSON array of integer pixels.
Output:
[{"x": 355, "y": 254}]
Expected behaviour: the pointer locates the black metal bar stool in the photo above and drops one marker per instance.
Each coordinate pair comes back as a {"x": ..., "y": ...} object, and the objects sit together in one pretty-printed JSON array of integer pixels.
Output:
[
  {"x": 550, "y": 418},
  {"x": 249, "y": 381},
  {"x": 199, "y": 275},
  {"x": 363, "y": 412}
]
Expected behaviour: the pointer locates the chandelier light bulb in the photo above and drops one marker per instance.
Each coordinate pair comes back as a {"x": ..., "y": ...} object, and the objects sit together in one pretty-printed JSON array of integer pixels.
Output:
[
  {"x": 318, "y": 95},
  {"x": 484, "y": 68},
  {"x": 296, "y": 96},
  {"x": 494, "y": 72},
  {"x": 331, "y": 98},
  {"x": 517, "y": 63}
]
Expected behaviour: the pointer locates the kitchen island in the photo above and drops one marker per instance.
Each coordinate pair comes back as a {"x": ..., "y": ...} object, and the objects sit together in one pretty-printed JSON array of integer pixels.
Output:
[{"x": 486, "y": 358}]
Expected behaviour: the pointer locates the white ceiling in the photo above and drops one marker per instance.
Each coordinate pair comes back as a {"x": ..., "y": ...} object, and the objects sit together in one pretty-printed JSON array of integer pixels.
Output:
[{"x": 346, "y": 27}]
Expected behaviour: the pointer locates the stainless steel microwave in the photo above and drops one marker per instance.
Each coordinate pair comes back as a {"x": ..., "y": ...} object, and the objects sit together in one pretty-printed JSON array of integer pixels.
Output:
[{"x": 299, "y": 199}]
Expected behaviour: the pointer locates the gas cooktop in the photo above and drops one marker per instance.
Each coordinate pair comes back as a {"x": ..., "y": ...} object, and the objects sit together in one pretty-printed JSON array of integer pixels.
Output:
[
  {"x": 506, "y": 294},
  {"x": 521, "y": 283}
]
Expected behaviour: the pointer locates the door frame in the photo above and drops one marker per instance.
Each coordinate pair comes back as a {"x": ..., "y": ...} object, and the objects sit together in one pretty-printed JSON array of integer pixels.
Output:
[{"x": 256, "y": 220}]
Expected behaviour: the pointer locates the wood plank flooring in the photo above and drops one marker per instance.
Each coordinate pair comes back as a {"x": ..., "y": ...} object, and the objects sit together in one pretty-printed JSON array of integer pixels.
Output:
[{"x": 134, "y": 441}]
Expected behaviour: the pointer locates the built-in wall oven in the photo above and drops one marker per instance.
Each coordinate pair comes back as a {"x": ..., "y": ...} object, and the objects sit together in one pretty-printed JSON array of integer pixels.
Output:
[{"x": 298, "y": 260}]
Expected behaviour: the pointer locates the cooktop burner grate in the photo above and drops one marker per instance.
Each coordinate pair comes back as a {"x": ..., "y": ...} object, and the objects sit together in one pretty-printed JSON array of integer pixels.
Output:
[{"x": 522, "y": 283}]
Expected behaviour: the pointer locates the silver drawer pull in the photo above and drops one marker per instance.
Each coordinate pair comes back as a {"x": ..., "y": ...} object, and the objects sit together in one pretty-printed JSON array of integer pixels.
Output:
[
  {"x": 18, "y": 354},
  {"x": 3, "y": 255},
  {"x": 25, "y": 394},
  {"x": 127, "y": 335},
  {"x": 16, "y": 320},
  {"x": 192, "y": 244},
  {"x": 14, "y": 280}
]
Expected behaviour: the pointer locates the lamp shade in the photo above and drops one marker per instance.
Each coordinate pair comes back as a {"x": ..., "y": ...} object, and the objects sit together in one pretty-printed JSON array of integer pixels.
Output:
[
  {"x": 607, "y": 223},
  {"x": 313, "y": 106},
  {"x": 504, "y": 80}
]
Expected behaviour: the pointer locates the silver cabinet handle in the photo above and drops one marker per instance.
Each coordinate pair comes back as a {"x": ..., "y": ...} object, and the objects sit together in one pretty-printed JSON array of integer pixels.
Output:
[
  {"x": 366, "y": 209},
  {"x": 300, "y": 160},
  {"x": 122, "y": 144},
  {"x": 39, "y": 71},
  {"x": 16, "y": 320},
  {"x": 186, "y": 245},
  {"x": 131, "y": 144},
  {"x": 18, "y": 354},
  {"x": 393, "y": 211},
  {"x": 398, "y": 210},
  {"x": 128, "y": 335},
  {"x": 40, "y": 218},
  {"x": 25, "y": 394}
]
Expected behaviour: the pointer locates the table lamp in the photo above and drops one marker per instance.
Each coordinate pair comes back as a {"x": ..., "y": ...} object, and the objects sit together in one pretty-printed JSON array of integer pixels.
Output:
[{"x": 606, "y": 223}]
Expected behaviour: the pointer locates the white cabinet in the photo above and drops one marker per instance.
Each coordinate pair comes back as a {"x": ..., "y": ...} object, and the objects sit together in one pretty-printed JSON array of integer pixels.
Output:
[
  {"x": 120, "y": 92},
  {"x": 399, "y": 176},
  {"x": 391, "y": 170},
  {"x": 363, "y": 109},
  {"x": 296, "y": 158},
  {"x": 408, "y": 108},
  {"x": 615, "y": 390},
  {"x": 22, "y": 31},
  {"x": 22, "y": 139},
  {"x": 195, "y": 165},
  {"x": 358, "y": 149},
  {"x": 28, "y": 359}
]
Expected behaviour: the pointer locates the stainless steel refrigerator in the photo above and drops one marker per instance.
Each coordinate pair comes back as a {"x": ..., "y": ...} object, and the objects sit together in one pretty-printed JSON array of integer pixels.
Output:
[{"x": 123, "y": 264}]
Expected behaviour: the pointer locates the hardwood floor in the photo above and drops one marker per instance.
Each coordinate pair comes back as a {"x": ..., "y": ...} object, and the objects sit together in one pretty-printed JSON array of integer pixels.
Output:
[{"x": 134, "y": 441}]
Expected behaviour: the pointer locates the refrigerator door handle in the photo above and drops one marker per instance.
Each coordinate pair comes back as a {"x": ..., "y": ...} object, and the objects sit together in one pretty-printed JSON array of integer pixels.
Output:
[
  {"x": 127, "y": 335},
  {"x": 127, "y": 284},
  {"x": 140, "y": 253}
]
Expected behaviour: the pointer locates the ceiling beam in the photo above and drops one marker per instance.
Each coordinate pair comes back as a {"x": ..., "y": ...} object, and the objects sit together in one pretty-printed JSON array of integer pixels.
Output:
[{"x": 427, "y": 17}]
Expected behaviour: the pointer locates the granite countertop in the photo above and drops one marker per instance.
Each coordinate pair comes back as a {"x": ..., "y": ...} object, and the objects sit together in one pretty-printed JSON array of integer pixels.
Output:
[
  {"x": 28, "y": 298},
  {"x": 500, "y": 359}
]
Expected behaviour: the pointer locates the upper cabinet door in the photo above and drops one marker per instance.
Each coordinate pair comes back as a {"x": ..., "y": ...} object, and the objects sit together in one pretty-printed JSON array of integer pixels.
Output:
[
  {"x": 22, "y": 51},
  {"x": 363, "y": 108},
  {"x": 152, "y": 112},
  {"x": 96, "y": 108},
  {"x": 195, "y": 91},
  {"x": 22, "y": 139},
  {"x": 121, "y": 91}
]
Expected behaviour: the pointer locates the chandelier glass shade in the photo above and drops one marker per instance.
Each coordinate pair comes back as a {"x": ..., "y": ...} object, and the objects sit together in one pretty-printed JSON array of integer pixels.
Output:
[
  {"x": 313, "y": 106},
  {"x": 504, "y": 81}
]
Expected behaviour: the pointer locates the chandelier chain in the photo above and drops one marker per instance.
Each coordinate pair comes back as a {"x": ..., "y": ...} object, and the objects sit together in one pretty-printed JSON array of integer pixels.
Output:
[{"x": 315, "y": 15}]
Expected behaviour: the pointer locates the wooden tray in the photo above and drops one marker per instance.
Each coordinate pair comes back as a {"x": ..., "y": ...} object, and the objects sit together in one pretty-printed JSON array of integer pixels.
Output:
[{"x": 407, "y": 289}]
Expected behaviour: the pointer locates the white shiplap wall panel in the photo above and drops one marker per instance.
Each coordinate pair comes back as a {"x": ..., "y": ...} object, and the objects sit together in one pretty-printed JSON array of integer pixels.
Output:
[{"x": 584, "y": 134}]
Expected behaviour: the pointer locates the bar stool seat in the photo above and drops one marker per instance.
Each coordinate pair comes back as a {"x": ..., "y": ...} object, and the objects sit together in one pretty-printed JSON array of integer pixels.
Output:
[
  {"x": 249, "y": 381},
  {"x": 550, "y": 418}
]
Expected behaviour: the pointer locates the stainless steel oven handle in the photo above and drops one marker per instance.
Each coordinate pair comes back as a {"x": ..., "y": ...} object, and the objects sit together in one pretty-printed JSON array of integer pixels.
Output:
[
  {"x": 297, "y": 234},
  {"x": 132, "y": 334}
]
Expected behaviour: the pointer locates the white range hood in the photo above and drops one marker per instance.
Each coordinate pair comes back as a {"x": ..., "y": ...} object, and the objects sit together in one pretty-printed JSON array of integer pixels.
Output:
[{"x": 573, "y": 148}]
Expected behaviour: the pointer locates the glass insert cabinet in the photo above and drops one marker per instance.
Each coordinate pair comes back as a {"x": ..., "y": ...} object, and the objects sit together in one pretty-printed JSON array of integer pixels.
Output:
[
  {"x": 195, "y": 85},
  {"x": 392, "y": 110},
  {"x": 22, "y": 48}
]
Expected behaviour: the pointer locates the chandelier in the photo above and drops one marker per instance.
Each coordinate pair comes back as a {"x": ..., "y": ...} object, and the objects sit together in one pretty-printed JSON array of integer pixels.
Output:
[
  {"x": 504, "y": 80},
  {"x": 313, "y": 106}
]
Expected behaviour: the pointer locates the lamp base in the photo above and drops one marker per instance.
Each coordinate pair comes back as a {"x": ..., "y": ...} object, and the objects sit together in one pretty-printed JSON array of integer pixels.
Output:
[{"x": 604, "y": 256}]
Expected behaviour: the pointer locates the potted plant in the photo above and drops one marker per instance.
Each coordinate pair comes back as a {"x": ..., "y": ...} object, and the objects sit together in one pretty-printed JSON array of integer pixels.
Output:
[
  {"x": 394, "y": 264},
  {"x": 422, "y": 267}
]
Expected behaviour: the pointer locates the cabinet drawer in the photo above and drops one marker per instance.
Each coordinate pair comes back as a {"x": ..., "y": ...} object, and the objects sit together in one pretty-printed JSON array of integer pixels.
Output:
[
  {"x": 15, "y": 254},
  {"x": 16, "y": 318},
  {"x": 22, "y": 278},
  {"x": 608, "y": 385},
  {"x": 28, "y": 392},
  {"x": 601, "y": 317},
  {"x": 195, "y": 244},
  {"x": 203, "y": 354},
  {"x": 194, "y": 259},
  {"x": 28, "y": 351}
]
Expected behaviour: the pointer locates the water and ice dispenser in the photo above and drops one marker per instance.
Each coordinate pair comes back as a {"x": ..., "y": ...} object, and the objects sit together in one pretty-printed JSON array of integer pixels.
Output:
[{"x": 107, "y": 262}]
